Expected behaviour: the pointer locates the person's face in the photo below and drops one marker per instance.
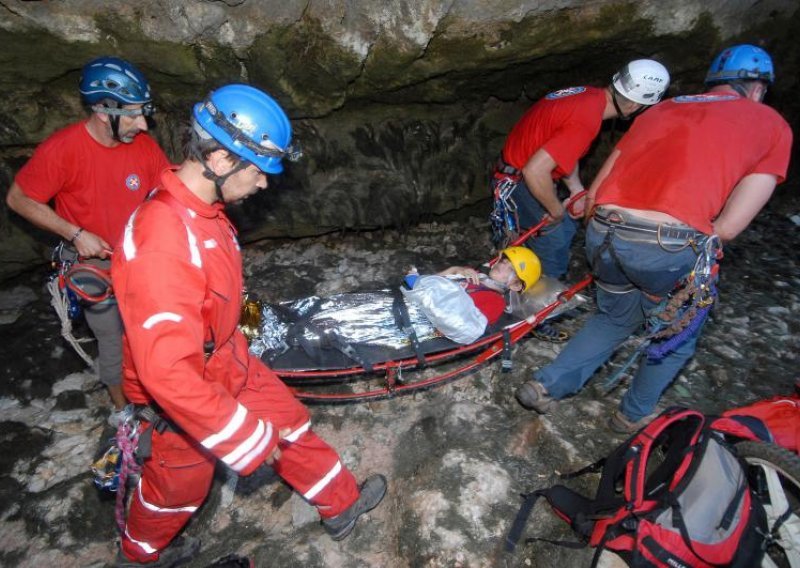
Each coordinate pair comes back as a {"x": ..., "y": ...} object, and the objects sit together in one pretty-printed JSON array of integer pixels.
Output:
[
  {"x": 503, "y": 272},
  {"x": 243, "y": 184},
  {"x": 628, "y": 107},
  {"x": 130, "y": 126}
]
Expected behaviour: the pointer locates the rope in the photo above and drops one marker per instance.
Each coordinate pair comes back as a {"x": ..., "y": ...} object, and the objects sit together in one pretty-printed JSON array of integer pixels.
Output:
[
  {"x": 682, "y": 314},
  {"x": 61, "y": 306},
  {"x": 679, "y": 316},
  {"x": 127, "y": 439}
]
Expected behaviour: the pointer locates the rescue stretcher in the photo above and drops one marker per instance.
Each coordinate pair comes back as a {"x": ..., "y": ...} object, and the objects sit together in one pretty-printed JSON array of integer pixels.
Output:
[{"x": 334, "y": 377}]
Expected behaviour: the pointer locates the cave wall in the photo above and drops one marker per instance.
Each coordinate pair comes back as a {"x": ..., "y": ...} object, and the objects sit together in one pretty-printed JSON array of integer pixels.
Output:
[{"x": 400, "y": 107}]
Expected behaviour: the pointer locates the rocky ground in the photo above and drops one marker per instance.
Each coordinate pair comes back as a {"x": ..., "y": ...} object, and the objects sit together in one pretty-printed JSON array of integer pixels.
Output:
[{"x": 456, "y": 457}]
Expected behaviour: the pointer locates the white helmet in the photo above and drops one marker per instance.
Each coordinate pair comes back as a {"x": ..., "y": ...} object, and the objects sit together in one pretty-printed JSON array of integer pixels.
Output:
[{"x": 643, "y": 81}]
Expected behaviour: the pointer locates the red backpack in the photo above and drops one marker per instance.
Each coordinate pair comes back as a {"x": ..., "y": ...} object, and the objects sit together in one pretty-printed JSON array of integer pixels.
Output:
[
  {"x": 673, "y": 495},
  {"x": 775, "y": 420}
]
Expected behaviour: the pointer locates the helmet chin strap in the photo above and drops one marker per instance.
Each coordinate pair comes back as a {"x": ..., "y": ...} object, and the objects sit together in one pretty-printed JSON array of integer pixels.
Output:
[
  {"x": 113, "y": 117},
  {"x": 744, "y": 89},
  {"x": 114, "y": 120},
  {"x": 218, "y": 180},
  {"x": 621, "y": 115}
]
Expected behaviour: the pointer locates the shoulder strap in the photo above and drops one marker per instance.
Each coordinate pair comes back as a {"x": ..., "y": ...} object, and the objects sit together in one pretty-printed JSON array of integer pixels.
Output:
[
  {"x": 686, "y": 427},
  {"x": 528, "y": 501}
]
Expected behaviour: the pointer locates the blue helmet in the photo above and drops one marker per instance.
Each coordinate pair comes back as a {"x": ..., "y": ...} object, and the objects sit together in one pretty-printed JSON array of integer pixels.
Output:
[
  {"x": 249, "y": 123},
  {"x": 743, "y": 62},
  {"x": 114, "y": 78}
]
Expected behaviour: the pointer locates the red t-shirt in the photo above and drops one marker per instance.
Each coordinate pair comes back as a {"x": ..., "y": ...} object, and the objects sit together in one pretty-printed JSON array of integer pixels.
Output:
[
  {"x": 564, "y": 123},
  {"x": 94, "y": 186},
  {"x": 490, "y": 303},
  {"x": 684, "y": 156}
]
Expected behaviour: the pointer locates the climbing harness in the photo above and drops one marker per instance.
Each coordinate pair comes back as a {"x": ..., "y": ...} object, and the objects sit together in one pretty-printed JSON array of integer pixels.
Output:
[
  {"x": 671, "y": 238},
  {"x": 504, "y": 217},
  {"x": 681, "y": 313}
]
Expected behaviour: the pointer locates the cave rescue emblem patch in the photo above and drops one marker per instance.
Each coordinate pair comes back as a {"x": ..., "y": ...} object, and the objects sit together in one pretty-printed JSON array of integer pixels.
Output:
[
  {"x": 704, "y": 98},
  {"x": 133, "y": 182},
  {"x": 560, "y": 94}
]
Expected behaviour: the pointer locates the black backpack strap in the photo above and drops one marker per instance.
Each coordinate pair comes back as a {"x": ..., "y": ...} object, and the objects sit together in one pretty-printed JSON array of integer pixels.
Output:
[
  {"x": 568, "y": 503},
  {"x": 591, "y": 468},
  {"x": 613, "y": 471},
  {"x": 574, "y": 544},
  {"x": 529, "y": 500},
  {"x": 730, "y": 512}
]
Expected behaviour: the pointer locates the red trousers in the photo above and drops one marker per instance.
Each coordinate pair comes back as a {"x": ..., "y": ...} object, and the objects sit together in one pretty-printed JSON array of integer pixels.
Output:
[{"x": 177, "y": 477}]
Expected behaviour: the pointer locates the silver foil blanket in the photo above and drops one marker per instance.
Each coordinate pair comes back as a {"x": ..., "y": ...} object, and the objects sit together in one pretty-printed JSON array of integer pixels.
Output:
[{"x": 355, "y": 317}]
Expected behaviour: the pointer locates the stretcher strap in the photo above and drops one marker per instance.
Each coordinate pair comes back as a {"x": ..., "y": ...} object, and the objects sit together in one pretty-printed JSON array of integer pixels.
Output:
[
  {"x": 403, "y": 321},
  {"x": 296, "y": 336}
]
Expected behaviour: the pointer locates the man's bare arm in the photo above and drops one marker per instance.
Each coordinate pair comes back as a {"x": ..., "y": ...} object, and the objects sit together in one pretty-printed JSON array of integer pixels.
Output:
[
  {"x": 573, "y": 181},
  {"x": 748, "y": 197},
  {"x": 539, "y": 179},
  {"x": 608, "y": 165},
  {"x": 42, "y": 215}
]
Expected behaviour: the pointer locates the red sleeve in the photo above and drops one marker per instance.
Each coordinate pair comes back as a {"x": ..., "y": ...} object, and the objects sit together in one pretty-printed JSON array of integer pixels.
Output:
[
  {"x": 42, "y": 177},
  {"x": 490, "y": 303},
  {"x": 776, "y": 160},
  {"x": 568, "y": 144},
  {"x": 161, "y": 294}
]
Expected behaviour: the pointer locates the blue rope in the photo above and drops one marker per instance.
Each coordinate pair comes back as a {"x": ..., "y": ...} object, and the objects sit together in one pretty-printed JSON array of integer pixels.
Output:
[{"x": 661, "y": 350}]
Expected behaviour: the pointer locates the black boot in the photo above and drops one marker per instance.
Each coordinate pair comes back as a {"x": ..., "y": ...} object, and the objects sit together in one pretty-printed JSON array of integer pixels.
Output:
[
  {"x": 372, "y": 492},
  {"x": 180, "y": 551}
]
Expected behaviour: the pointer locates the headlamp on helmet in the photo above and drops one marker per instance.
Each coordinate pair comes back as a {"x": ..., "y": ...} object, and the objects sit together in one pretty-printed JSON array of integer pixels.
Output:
[{"x": 741, "y": 62}]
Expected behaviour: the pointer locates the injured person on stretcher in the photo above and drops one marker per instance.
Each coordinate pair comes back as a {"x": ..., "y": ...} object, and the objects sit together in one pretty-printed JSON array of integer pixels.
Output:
[{"x": 428, "y": 312}]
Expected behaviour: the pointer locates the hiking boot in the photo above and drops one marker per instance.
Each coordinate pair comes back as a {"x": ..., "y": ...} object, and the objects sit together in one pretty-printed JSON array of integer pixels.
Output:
[
  {"x": 533, "y": 396},
  {"x": 372, "y": 492},
  {"x": 621, "y": 424},
  {"x": 180, "y": 551},
  {"x": 547, "y": 332}
]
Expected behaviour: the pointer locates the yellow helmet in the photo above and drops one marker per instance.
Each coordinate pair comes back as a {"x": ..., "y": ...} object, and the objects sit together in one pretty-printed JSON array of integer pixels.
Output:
[{"x": 526, "y": 264}]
